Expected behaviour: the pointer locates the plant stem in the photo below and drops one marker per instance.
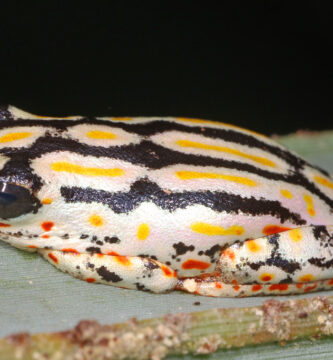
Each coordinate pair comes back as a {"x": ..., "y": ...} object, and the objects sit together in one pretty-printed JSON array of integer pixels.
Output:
[{"x": 193, "y": 333}]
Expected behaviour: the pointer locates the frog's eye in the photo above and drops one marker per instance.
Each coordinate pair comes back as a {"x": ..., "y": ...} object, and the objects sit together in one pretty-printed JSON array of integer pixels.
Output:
[{"x": 15, "y": 200}]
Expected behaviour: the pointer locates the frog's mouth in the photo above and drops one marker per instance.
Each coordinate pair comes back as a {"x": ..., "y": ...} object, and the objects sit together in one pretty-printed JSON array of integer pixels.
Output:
[{"x": 16, "y": 200}]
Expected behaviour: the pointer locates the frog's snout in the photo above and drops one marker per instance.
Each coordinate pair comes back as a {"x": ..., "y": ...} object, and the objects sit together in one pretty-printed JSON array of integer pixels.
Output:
[{"x": 16, "y": 200}]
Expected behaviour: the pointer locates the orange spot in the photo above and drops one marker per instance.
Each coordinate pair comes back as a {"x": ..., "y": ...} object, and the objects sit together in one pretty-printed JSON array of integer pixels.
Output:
[
  {"x": 253, "y": 246},
  {"x": 47, "y": 225},
  {"x": 195, "y": 264},
  {"x": 167, "y": 272},
  {"x": 229, "y": 253},
  {"x": 330, "y": 282},
  {"x": 295, "y": 235},
  {"x": 299, "y": 286},
  {"x": 99, "y": 255},
  {"x": 96, "y": 220},
  {"x": 236, "y": 287},
  {"x": 234, "y": 282},
  {"x": 90, "y": 280},
  {"x": 266, "y": 277},
  {"x": 280, "y": 287},
  {"x": 218, "y": 285},
  {"x": 4, "y": 225},
  {"x": 70, "y": 250},
  {"x": 47, "y": 201},
  {"x": 45, "y": 236},
  {"x": 273, "y": 229},
  {"x": 309, "y": 288},
  {"x": 52, "y": 257},
  {"x": 306, "y": 278},
  {"x": 256, "y": 287},
  {"x": 32, "y": 246},
  {"x": 123, "y": 260}
]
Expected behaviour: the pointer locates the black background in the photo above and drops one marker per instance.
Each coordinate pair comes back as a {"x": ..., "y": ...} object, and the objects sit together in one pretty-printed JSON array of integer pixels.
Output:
[{"x": 264, "y": 65}]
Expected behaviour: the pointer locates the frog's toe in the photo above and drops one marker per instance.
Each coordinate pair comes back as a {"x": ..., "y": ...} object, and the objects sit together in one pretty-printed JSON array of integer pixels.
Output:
[
  {"x": 294, "y": 256},
  {"x": 121, "y": 271}
]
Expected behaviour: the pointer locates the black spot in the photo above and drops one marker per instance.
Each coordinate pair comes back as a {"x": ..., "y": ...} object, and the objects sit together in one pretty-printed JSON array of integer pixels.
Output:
[
  {"x": 94, "y": 238},
  {"x": 321, "y": 263},
  {"x": 147, "y": 256},
  {"x": 84, "y": 236},
  {"x": 212, "y": 251},
  {"x": 93, "y": 250},
  {"x": 141, "y": 287},
  {"x": 112, "y": 240},
  {"x": 107, "y": 275},
  {"x": 65, "y": 236},
  {"x": 99, "y": 242},
  {"x": 90, "y": 265},
  {"x": 197, "y": 303},
  {"x": 182, "y": 249}
]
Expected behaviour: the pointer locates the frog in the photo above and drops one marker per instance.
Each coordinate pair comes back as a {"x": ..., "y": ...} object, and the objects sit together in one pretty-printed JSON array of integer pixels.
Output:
[{"x": 165, "y": 203}]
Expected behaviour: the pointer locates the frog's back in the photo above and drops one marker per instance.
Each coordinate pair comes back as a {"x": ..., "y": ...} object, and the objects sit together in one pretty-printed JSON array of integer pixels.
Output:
[{"x": 175, "y": 189}]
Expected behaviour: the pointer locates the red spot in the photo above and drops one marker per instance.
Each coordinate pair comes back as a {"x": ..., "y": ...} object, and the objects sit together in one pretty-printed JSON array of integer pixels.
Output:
[
  {"x": 90, "y": 280},
  {"x": 45, "y": 236},
  {"x": 167, "y": 272},
  {"x": 47, "y": 225},
  {"x": 256, "y": 287},
  {"x": 52, "y": 257},
  {"x": 70, "y": 250},
  {"x": 32, "y": 246},
  {"x": 309, "y": 288},
  {"x": 266, "y": 278},
  {"x": 195, "y": 264},
  {"x": 234, "y": 282},
  {"x": 4, "y": 225},
  {"x": 113, "y": 253},
  {"x": 236, "y": 287},
  {"x": 273, "y": 229},
  {"x": 229, "y": 253},
  {"x": 280, "y": 287},
  {"x": 218, "y": 285},
  {"x": 330, "y": 282},
  {"x": 299, "y": 285}
]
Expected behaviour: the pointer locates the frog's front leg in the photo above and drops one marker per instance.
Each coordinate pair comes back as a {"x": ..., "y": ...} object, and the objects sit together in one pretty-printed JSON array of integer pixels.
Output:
[
  {"x": 129, "y": 272},
  {"x": 294, "y": 261}
]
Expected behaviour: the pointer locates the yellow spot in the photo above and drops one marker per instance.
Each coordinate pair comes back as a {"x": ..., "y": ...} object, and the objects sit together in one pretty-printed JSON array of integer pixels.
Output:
[
  {"x": 97, "y": 134},
  {"x": 323, "y": 181},
  {"x": 96, "y": 220},
  {"x": 266, "y": 277},
  {"x": 309, "y": 205},
  {"x": 219, "y": 123},
  {"x": 258, "y": 159},
  {"x": 143, "y": 231},
  {"x": 189, "y": 175},
  {"x": 212, "y": 230},
  {"x": 306, "y": 278},
  {"x": 14, "y": 136},
  {"x": 121, "y": 118},
  {"x": 295, "y": 235},
  {"x": 286, "y": 193},
  {"x": 47, "y": 201},
  {"x": 253, "y": 246},
  {"x": 82, "y": 170}
]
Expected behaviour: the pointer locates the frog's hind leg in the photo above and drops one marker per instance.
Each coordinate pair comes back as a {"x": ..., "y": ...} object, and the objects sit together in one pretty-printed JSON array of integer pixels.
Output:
[
  {"x": 122, "y": 271},
  {"x": 295, "y": 261}
]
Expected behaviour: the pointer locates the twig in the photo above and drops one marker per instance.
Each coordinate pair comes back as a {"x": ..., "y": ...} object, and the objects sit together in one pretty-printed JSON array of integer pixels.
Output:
[{"x": 193, "y": 333}]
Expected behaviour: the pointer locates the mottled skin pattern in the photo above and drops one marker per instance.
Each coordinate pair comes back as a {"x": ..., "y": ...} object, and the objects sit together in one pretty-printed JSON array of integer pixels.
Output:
[{"x": 159, "y": 204}]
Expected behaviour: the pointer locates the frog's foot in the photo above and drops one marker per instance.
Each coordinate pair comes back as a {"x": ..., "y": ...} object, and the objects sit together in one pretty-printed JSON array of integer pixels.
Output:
[
  {"x": 295, "y": 261},
  {"x": 122, "y": 271}
]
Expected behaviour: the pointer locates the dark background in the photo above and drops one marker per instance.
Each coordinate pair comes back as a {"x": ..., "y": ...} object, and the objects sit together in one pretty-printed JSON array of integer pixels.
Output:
[{"x": 264, "y": 65}]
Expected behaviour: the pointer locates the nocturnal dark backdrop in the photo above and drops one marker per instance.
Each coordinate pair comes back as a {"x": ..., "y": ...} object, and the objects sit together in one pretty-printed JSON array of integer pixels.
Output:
[{"x": 265, "y": 65}]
